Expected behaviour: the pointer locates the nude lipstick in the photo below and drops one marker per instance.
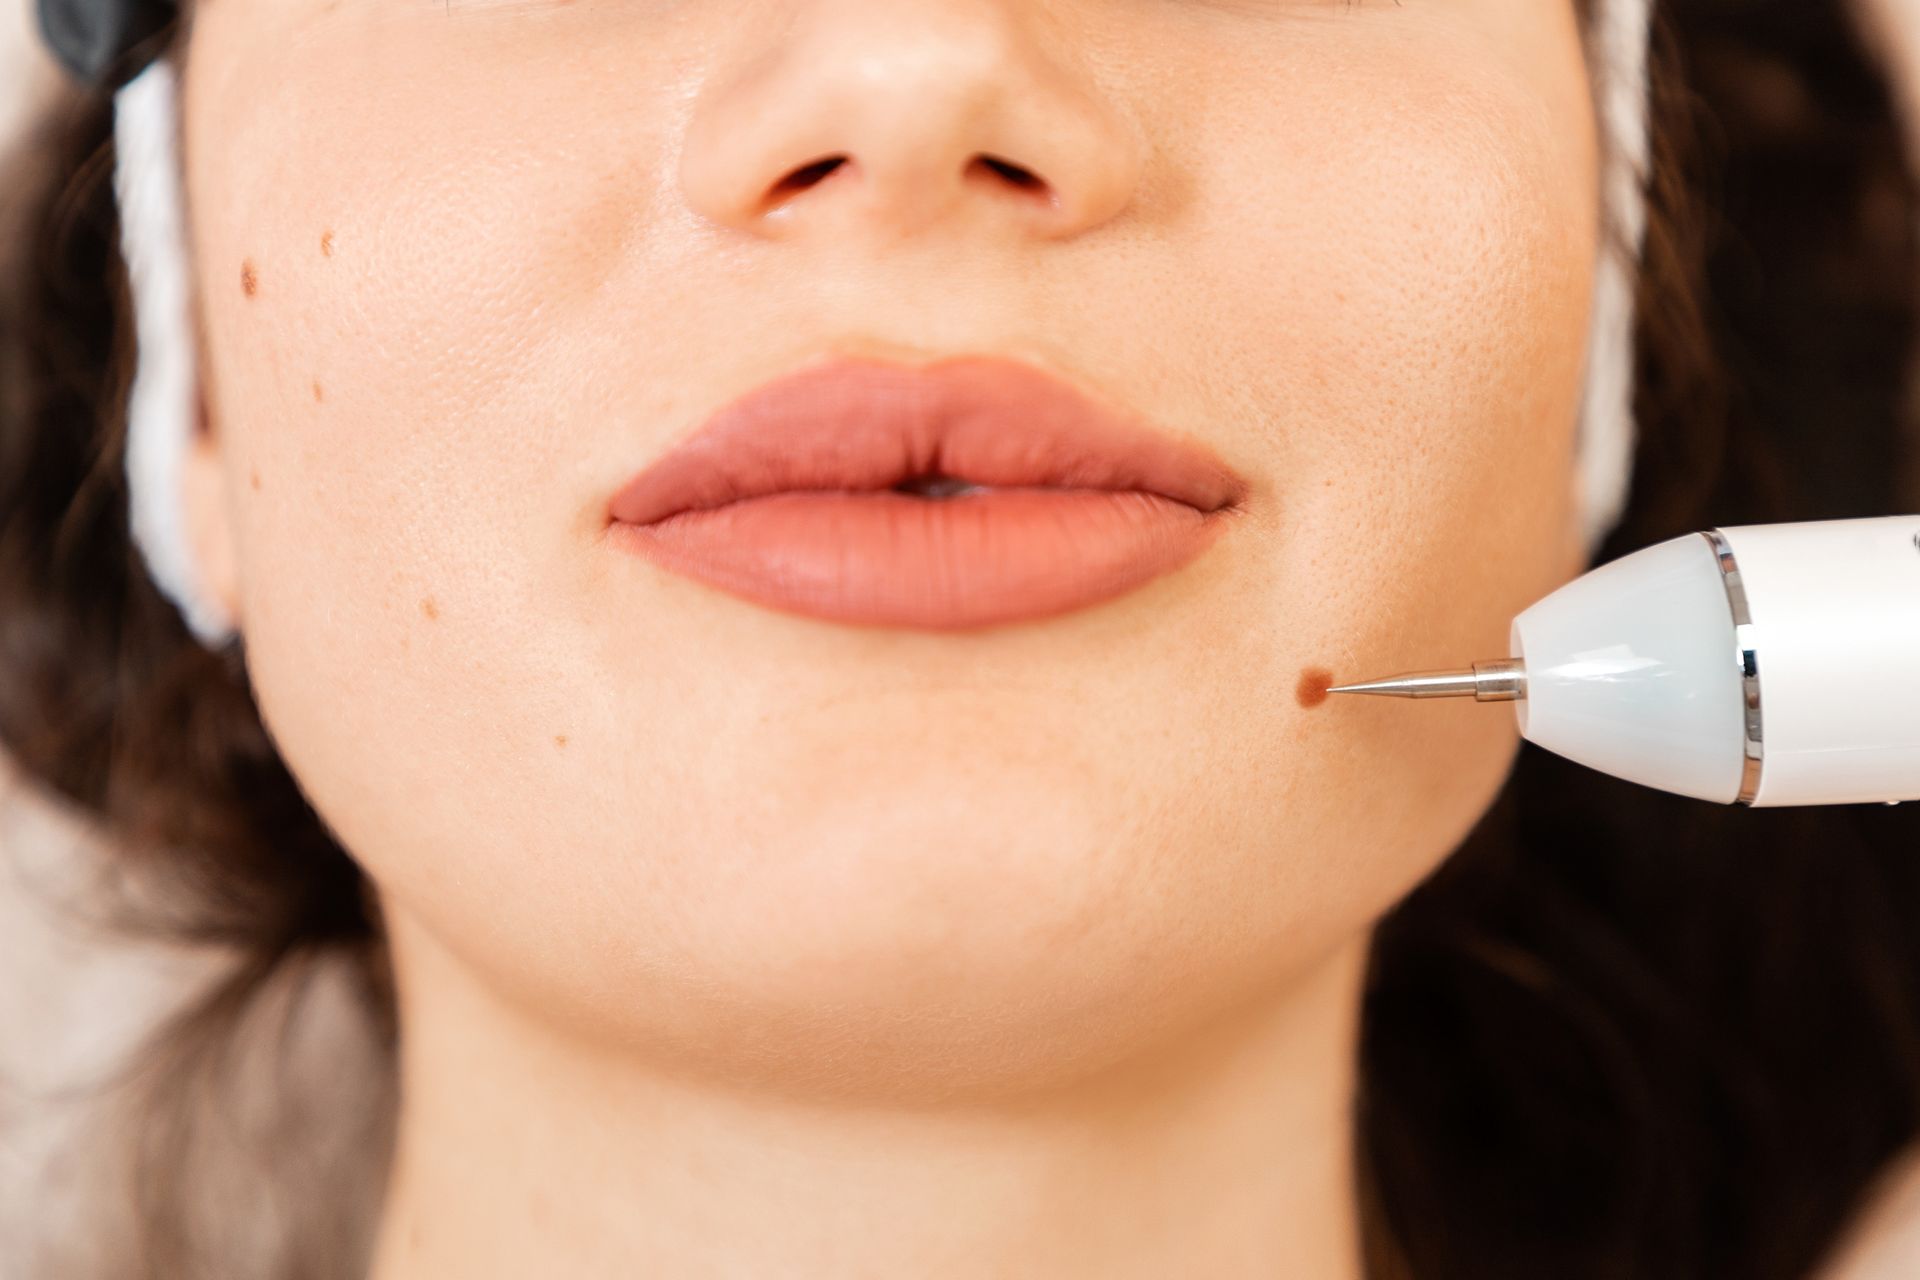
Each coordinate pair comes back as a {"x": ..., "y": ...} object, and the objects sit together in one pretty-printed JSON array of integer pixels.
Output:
[{"x": 970, "y": 492}]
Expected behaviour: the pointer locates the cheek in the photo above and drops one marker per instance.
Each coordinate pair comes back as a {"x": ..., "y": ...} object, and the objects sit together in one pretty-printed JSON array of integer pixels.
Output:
[
  {"x": 1398, "y": 283},
  {"x": 386, "y": 268},
  {"x": 394, "y": 267},
  {"x": 1412, "y": 289},
  {"x": 1400, "y": 289}
]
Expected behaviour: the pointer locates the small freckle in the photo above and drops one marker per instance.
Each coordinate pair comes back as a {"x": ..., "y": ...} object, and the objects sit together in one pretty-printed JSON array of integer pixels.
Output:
[
  {"x": 559, "y": 739},
  {"x": 254, "y": 478},
  {"x": 1313, "y": 686},
  {"x": 428, "y": 607},
  {"x": 318, "y": 395},
  {"x": 326, "y": 243},
  {"x": 249, "y": 283}
]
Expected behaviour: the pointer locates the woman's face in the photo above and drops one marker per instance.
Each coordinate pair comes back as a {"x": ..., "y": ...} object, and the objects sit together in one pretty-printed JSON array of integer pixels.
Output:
[{"x": 468, "y": 265}]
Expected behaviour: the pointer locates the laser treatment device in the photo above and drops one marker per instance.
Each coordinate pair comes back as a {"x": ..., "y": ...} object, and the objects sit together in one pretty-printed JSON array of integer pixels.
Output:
[{"x": 1762, "y": 664}]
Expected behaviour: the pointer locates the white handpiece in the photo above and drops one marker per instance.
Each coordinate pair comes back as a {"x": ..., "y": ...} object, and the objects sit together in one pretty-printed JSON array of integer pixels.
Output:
[{"x": 1769, "y": 664}]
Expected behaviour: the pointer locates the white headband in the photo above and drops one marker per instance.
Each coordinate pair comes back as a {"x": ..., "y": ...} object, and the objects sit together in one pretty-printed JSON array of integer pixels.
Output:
[{"x": 162, "y": 401}]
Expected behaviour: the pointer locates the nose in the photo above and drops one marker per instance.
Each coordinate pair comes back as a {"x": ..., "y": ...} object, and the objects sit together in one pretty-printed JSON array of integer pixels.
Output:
[{"x": 887, "y": 117}]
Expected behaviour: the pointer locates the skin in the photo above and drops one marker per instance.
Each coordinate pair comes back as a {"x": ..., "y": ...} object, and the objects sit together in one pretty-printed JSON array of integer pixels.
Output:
[{"x": 735, "y": 943}]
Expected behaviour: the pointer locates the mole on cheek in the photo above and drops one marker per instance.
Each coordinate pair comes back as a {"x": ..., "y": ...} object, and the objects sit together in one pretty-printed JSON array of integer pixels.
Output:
[
  {"x": 249, "y": 282},
  {"x": 254, "y": 478},
  {"x": 1313, "y": 686},
  {"x": 326, "y": 243},
  {"x": 428, "y": 607},
  {"x": 559, "y": 739},
  {"x": 318, "y": 395}
]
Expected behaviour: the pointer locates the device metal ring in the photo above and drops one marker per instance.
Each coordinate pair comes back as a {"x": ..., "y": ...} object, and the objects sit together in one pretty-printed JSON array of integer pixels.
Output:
[{"x": 1747, "y": 658}]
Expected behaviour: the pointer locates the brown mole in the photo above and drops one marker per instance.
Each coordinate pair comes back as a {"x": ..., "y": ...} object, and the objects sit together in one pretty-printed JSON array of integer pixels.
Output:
[
  {"x": 254, "y": 478},
  {"x": 318, "y": 395},
  {"x": 428, "y": 607},
  {"x": 249, "y": 282},
  {"x": 559, "y": 739},
  {"x": 1313, "y": 686},
  {"x": 326, "y": 243}
]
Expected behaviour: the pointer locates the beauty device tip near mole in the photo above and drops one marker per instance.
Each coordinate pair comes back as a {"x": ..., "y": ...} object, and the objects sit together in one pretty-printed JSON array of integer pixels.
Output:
[{"x": 1765, "y": 664}]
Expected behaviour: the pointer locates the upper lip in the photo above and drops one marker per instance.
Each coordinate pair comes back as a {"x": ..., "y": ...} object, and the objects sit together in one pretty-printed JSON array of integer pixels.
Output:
[{"x": 858, "y": 423}]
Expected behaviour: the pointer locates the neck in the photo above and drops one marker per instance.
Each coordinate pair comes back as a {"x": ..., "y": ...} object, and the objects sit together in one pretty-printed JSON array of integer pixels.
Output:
[{"x": 524, "y": 1150}]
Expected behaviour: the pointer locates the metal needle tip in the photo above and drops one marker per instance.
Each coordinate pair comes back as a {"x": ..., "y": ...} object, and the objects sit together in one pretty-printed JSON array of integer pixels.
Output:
[{"x": 1498, "y": 680}]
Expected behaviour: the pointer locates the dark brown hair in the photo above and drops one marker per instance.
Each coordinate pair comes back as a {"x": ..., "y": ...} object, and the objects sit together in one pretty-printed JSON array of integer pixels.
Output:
[
  {"x": 1618, "y": 1034},
  {"x": 110, "y": 704}
]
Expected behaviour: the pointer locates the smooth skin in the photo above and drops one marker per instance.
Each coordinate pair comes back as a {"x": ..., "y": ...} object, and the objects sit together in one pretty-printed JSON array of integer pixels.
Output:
[{"x": 732, "y": 943}]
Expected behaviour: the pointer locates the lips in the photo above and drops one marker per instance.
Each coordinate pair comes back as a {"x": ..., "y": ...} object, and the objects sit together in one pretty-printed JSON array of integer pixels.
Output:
[{"x": 965, "y": 493}]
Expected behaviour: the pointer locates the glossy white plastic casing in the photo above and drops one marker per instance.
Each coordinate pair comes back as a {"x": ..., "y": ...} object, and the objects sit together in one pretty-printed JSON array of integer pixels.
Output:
[
  {"x": 1836, "y": 626},
  {"x": 1631, "y": 670},
  {"x": 1646, "y": 669}
]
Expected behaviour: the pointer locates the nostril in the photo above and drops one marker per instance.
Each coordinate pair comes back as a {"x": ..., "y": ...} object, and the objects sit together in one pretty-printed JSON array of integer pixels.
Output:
[
  {"x": 806, "y": 176},
  {"x": 1025, "y": 179},
  {"x": 1018, "y": 177}
]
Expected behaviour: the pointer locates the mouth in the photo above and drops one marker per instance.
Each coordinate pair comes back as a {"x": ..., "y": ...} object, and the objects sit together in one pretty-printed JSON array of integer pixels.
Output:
[{"x": 973, "y": 491}]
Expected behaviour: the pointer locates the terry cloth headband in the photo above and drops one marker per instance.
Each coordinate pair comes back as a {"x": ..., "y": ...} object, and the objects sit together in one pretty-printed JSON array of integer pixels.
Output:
[{"x": 110, "y": 44}]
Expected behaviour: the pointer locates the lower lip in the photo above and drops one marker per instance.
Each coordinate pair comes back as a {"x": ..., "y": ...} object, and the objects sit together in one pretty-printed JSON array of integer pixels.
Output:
[{"x": 886, "y": 558}]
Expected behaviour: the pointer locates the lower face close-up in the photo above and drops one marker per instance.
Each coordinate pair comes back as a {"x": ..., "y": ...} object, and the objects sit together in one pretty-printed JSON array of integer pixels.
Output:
[{"x": 1084, "y": 386}]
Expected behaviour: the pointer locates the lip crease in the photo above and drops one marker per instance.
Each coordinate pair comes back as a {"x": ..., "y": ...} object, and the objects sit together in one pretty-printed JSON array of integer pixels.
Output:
[{"x": 810, "y": 494}]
